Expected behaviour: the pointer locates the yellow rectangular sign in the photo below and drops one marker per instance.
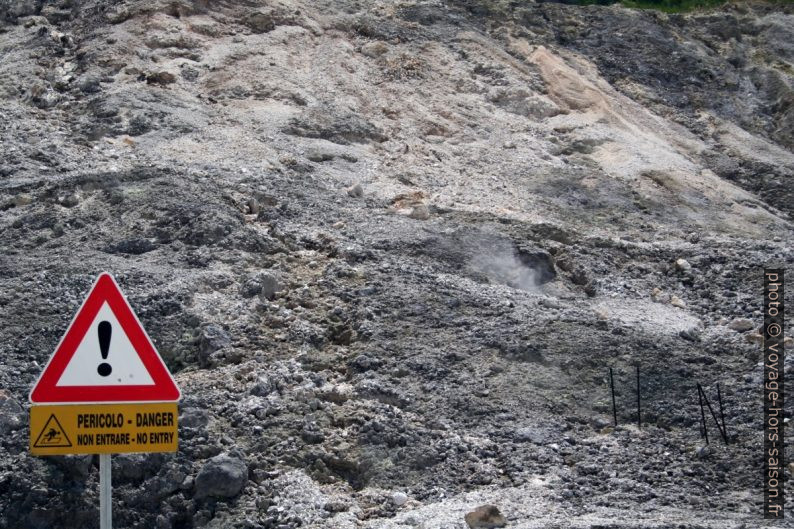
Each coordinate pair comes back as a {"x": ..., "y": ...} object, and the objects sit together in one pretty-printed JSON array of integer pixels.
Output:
[{"x": 103, "y": 428}]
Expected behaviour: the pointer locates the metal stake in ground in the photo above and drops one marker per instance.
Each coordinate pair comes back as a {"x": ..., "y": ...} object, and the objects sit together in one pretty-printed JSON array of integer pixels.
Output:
[
  {"x": 639, "y": 414},
  {"x": 714, "y": 416},
  {"x": 722, "y": 413},
  {"x": 614, "y": 408},
  {"x": 702, "y": 414},
  {"x": 105, "y": 490}
]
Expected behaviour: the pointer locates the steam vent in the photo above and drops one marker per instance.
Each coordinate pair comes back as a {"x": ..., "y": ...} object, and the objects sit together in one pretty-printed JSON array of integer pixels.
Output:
[{"x": 437, "y": 264}]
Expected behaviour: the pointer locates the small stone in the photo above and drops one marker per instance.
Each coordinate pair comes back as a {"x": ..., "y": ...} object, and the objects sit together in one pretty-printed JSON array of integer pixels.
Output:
[
  {"x": 161, "y": 522},
  {"x": 11, "y": 414},
  {"x": 485, "y": 517},
  {"x": 89, "y": 84},
  {"x": 263, "y": 387},
  {"x": 78, "y": 467},
  {"x": 692, "y": 334},
  {"x": 161, "y": 78},
  {"x": 187, "y": 483},
  {"x": 682, "y": 265},
  {"x": 312, "y": 434},
  {"x": 336, "y": 506},
  {"x": 399, "y": 498},
  {"x": 420, "y": 212},
  {"x": 42, "y": 97},
  {"x": 754, "y": 338},
  {"x": 588, "y": 470},
  {"x": 741, "y": 325},
  {"x": 530, "y": 435},
  {"x": 655, "y": 293},
  {"x": 213, "y": 338},
  {"x": 35, "y": 21},
  {"x": 261, "y": 21},
  {"x": 22, "y": 199},
  {"x": 193, "y": 418},
  {"x": 677, "y": 302},
  {"x": 223, "y": 476},
  {"x": 355, "y": 191},
  {"x": 270, "y": 285},
  {"x": 118, "y": 15},
  {"x": 265, "y": 284},
  {"x": 319, "y": 155},
  {"x": 132, "y": 246},
  {"x": 550, "y": 303},
  {"x": 337, "y": 393},
  {"x": 660, "y": 296},
  {"x": 374, "y": 49},
  {"x": 70, "y": 200},
  {"x": 364, "y": 363},
  {"x": 703, "y": 452}
]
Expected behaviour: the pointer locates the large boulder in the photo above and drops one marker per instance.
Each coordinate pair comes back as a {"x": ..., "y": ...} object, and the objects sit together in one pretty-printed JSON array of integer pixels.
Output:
[{"x": 223, "y": 476}]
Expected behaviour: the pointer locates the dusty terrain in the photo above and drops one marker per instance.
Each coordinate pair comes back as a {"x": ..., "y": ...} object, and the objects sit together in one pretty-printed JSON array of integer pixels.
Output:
[{"x": 390, "y": 250}]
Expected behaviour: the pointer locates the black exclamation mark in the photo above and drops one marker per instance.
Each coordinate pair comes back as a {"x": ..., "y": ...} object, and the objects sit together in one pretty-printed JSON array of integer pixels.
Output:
[{"x": 104, "y": 331}]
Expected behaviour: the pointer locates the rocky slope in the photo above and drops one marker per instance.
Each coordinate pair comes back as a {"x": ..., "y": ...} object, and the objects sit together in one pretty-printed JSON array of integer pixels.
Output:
[{"x": 390, "y": 250}]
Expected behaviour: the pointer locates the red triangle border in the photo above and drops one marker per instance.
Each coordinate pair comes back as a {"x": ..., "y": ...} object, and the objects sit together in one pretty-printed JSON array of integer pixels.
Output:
[{"x": 105, "y": 289}]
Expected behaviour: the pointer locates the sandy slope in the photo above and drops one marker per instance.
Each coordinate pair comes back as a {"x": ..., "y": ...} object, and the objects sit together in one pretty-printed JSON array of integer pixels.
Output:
[{"x": 529, "y": 177}]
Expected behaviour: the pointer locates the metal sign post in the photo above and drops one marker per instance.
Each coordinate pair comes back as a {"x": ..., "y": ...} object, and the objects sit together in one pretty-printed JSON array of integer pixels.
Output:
[
  {"x": 105, "y": 390},
  {"x": 105, "y": 491}
]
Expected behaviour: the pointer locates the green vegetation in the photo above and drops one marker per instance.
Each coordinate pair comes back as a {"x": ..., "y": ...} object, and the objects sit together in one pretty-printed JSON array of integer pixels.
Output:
[{"x": 669, "y": 6}]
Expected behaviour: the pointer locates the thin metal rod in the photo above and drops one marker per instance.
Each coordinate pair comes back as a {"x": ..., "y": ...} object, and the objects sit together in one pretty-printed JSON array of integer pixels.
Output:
[
  {"x": 705, "y": 432},
  {"x": 639, "y": 414},
  {"x": 614, "y": 408},
  {"x": 722, "y": 413},
  {"x": 105, "y": 489},
  {"x": 714, "y": 416}
]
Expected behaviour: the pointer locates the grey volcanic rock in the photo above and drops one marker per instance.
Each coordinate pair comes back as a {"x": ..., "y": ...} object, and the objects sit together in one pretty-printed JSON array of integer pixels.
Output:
[
  {"x": 77, "y": 467},
  {"x": 355, "y": 191},
  {"x": 260, "y": 21},
  {"x": 265, "y": 284},
  {"x": 530, "y": 174},
  {"x": 329, "y": 124},
  {"x": 485, "y": 517},
  {"x": 741, "y": 325},
  {"x": 213, "y": 339},
  {"x": 193, "y": 418},
  {"x": 11, "y": 414},
  {"x": 223, "y": 476}
]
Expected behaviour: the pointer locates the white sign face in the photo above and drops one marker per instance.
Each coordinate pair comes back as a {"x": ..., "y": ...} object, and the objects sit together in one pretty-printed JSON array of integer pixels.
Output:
[
  {"x": 105, "y": 356},
  {"x": 122, "y": 364}
]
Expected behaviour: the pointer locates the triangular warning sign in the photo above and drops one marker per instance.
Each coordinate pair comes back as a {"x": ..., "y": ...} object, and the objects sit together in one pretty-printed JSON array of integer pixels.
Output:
[
  {"x": 52, "y": 435},
  {"x": 105, "y": 356}
]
